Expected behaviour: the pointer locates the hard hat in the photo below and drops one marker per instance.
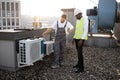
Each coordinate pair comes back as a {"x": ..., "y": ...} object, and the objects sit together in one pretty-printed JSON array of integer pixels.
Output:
[{"x": 77, "y": 11}]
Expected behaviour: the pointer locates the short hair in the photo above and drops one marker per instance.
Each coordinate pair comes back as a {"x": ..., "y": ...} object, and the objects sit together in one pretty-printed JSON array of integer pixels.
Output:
[{"x": 64, "y": 16}]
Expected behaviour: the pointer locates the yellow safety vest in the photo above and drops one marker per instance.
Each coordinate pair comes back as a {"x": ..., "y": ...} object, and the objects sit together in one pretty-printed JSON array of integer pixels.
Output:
[{"x": 79, "y": 31}]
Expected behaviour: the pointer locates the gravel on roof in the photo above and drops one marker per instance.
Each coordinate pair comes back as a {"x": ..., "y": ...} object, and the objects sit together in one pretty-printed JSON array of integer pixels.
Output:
[{"x": 100, "y": 64}]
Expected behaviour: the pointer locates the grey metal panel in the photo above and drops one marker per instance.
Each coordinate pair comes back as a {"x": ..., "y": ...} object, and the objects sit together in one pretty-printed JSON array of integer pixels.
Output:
[
  {"x": 102, "y": 42},
  {"x": 7, "y": 54},
  {"x": 21, "y": 35},
  {"x": 117, "y": 31}
]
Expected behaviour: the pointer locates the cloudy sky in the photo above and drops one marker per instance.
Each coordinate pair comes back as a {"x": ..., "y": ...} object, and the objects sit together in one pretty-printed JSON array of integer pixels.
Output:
[{"x": 53, "y": 7}]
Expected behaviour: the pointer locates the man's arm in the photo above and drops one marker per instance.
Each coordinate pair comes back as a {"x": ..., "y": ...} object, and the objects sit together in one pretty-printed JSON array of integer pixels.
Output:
[
  {"x": 47, "y": 32},
  {"x": 71, "y": 28},
  {"x": 49, "y": 29},
  {"x": 85, "y": 29}
]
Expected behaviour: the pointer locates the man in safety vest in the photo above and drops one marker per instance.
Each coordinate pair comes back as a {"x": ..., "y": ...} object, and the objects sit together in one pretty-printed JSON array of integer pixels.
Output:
[
  {"x": 61, "y": 27},
  {"x": 81, "y": 34}
]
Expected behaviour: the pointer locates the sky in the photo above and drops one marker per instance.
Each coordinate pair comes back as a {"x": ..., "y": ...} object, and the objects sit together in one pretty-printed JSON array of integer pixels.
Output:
[{"x": 53, "y": 7}]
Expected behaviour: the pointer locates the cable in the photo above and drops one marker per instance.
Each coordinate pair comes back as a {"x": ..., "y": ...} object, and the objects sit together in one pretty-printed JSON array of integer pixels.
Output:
[{"x": 93, "y": 2}]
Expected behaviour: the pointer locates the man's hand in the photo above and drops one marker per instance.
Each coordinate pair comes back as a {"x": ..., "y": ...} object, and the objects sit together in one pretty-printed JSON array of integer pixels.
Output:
[
  {"x": 44, "y": 34},
  {"x": 80, "y": 43},
  {"x": 71, "y": 30},
  {"x": 73, "y": 41}
]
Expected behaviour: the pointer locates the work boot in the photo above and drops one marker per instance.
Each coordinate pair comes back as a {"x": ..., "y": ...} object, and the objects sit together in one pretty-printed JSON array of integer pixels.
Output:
[
  {"x": 55, "y": 66},
  {"x": 76, "y": 66},
  {"x": 61, "y": 64},
  {"x": 79, "y": 70}
]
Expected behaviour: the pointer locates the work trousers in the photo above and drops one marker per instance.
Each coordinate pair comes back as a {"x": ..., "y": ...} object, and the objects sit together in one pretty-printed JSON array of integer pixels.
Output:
[
  {"x": 80, "y": 62},
  {"x": 59, "y": 50}
]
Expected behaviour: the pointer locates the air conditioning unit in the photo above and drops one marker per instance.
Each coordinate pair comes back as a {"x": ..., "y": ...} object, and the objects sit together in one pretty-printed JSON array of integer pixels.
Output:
[
  {"x": 49, "y": 46},
  {"x": 42, "y": 48},
  {"x": 30, "y": 50}
]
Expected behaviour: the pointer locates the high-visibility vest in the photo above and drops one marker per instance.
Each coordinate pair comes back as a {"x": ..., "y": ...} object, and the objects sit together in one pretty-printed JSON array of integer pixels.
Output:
[{"x": 79, "y": 31}]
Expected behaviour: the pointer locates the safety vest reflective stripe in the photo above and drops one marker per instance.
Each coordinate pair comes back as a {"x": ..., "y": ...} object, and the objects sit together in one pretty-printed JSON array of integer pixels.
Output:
[{"x": 79, "y": 31}]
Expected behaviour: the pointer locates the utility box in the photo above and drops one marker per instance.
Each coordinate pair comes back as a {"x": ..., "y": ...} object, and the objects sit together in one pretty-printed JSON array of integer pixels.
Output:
[
  {"x": 49, "y": 47},
  {"x": 9, "y": 46}
]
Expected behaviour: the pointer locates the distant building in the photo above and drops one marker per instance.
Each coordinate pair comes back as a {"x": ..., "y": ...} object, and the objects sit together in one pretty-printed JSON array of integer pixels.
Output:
[
  {"x": 10, "y": 14},
  {"x": 37, "y": 23}
]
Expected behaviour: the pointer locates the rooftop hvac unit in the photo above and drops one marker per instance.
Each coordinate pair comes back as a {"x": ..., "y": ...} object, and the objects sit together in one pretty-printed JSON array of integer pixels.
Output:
[
  {"x": 30, "y": 50},
  {"x": 42, "y": 48},
  {"x": 49, "y": 46}
]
